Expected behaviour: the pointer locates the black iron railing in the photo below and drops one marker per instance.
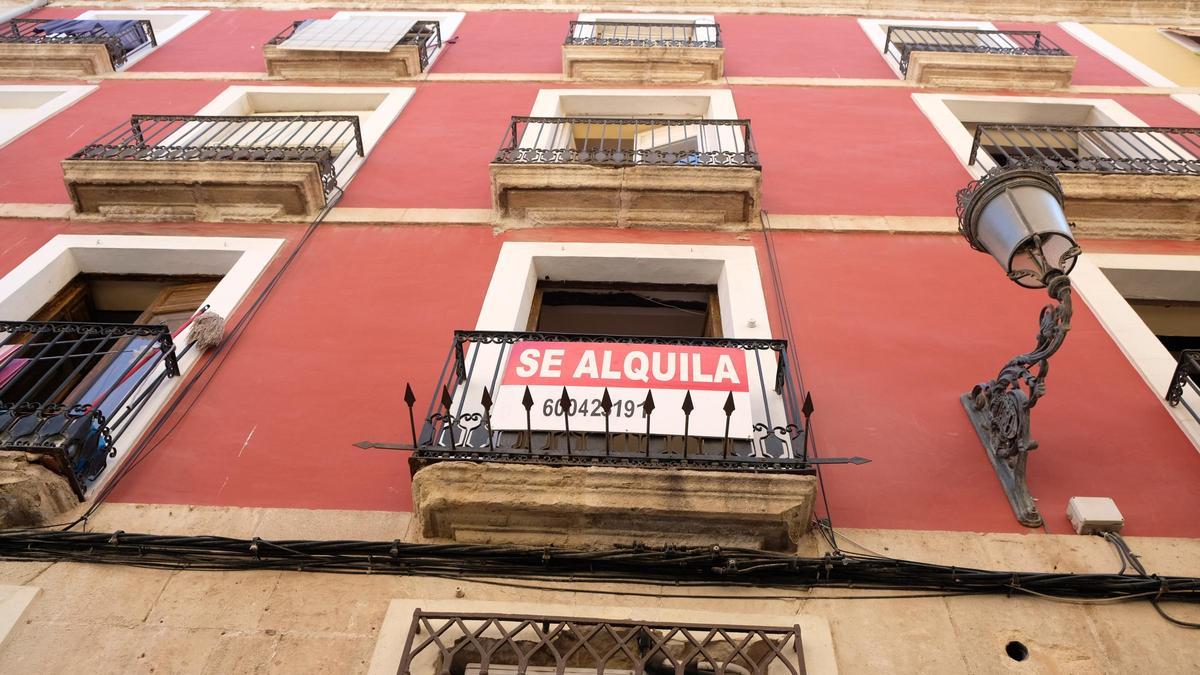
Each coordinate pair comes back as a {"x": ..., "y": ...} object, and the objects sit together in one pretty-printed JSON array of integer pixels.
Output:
[
  {"x": 1186, "y": 378},
  {"x": 120, "y": 42},
  {"x": 458, "y": 643},
  {"x": 902, "y": 41},
  {"x": 426, "y": 35},
  {"x": 329, "y": 141},
  {"x": 628, "y": 141},
  {"x": 636, "y": 34},
  {"x": 619, "y": 406},
  {"x": 1088, "y": 149},
  {"x": 69, "y": 390}
]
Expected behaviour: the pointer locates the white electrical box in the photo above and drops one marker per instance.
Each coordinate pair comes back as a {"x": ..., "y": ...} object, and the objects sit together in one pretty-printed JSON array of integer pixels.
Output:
[{"x": 1090, "y": 515}]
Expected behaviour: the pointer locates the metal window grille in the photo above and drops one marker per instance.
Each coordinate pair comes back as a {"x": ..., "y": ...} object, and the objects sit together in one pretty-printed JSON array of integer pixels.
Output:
[
  {"x": 69, "y": 390},
  {"x": 1185, "y": 378},
  {"x": 426, "y": 35},
  {"x": 638, "y": 34},
  {"x": 458, "y": 424},
  {"x": 628, "y": 141},
  {"x": 440, "y": 643},
  {"x": 1090, "y": 149},
  {"x": 902, "y": 41},
  {"x": 33, "y": 31},
  {"x": 329, "y": 141}
]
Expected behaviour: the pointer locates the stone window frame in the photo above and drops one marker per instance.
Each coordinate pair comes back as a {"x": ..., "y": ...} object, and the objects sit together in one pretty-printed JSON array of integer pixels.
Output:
[
  {"x": 448, "y": 23},
  {"x": 36, "y": 280},
  {"x": 955, "y": 134},
  {"x": 1122, "y": 323},
  {"x": 1123, "y": 59},
  {"x": 188, "y": 18},
  {"x": 876, "y": 32},
  {"x": 11, "y": 130},
  {"x": 816, "y": 637},
  {"x": 235, "y": 100}
]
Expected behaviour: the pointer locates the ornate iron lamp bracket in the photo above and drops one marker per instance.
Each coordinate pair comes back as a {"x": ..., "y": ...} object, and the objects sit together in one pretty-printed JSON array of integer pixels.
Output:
[{"x": 999, "y": 408}]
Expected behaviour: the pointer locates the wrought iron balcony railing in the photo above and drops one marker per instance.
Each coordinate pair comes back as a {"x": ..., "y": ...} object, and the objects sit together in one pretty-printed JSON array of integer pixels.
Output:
[
  {"x": 426, "y": 35},
  {"x": 620, "y": 141},
  {"x": 455, "y": 643},
  {"x": 902, "y": 41},
  {"x": 1087, "y": 149},
  {"x": 1186, "y": 378},
  {"x": 329, "y": 141},
  {"x": 69, "y": 390},
  {"x": 121, "y": 38},
  {"x": 564, "y": 399},
  {"x": 637, "y": 34}
]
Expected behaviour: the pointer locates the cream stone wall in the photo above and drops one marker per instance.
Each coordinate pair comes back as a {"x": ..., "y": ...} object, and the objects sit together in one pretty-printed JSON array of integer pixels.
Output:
[
  {"x": 110, "y": 619},
  {"x": 1148, "y": 45}
]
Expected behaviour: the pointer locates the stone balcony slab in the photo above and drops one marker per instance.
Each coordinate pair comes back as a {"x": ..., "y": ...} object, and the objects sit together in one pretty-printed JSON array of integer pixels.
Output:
[
  {"x": 969, "y": 70},
  {"x": 402, "y": 62},
  {"x": 40, "y": 61},
  {"x": 643, "y": 64}
]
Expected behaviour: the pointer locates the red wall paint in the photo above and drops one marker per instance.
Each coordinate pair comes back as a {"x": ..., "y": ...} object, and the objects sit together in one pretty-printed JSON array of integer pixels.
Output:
[
  {"x": 799, "y": 46},
  {"x": 38, "y": 152},
  {"x": 437, "y": 153},
  {"x": 849, "y": 151},
  {"x": 1160, "y": 111},
  {"x": 507, "y": 42},
  {"x": 1090, "y": 66},
  {"x": 224, "y": 41},
  {"x": 308, "y": 391}
]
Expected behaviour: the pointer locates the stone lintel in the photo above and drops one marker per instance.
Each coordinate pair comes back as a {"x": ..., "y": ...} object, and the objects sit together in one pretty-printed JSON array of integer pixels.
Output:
[
  {"x": 1131, "y": 205},
  {"x": 623, "y": 196},
  {"x": 213, "y": 190},
  {"x": 598, "y": 506},
  {"x": 970, "y": 70},
  {"x": 651, "y": 64},
  {"x": 53, "y": 60},
  {"x": 402, "y": 62}
]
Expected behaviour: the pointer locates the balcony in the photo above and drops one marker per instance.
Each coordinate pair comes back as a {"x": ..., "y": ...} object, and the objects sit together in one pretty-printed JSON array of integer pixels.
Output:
[
  {"x": 987, "y": 59},
  {"x": 212, "y": 168},
  {"x": 304, "y": 52},
  {"x": 69, "y": 48},
  {"x": 620, "y": 171},
  {"x": 68, "y": 391},
  {"x": 1118, "y": 181},
  {"x": 1185, "y": 383},
  {"x": 615, "y": 51},
  {"x": 571, "y": 439}
]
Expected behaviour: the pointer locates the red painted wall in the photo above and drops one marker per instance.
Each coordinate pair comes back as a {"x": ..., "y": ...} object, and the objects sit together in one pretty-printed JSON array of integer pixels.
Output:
[
  {"x": 507, "y": 42},
  {"x": 323, "y": 366},
  {"x": 225, "y": 41},
  {"x": 799, "y": 46}
]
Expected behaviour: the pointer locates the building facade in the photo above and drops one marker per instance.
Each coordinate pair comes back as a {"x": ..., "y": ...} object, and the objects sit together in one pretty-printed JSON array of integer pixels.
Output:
[{"x": 545, "y": 338}]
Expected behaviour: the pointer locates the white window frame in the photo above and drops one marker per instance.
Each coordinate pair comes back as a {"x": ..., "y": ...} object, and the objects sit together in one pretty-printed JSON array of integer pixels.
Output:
[
  {"x": 235, "y": 100},
  {"x": 876, "y": 31},
  {"x": 1123, "y": 59},
  {"x": 448, "y": 23},
  {"x": 816, "y": 642},
  {"x": 11, "y": 129},
  {"x": 34, "y": 282},
  {"x": 188, "y": 18},
  {"x": 732, "y": 269},
  {"x": 952, "y": 131},
  {"x": 702, "y": 33},
  {"x": 1135, "y": 339}
]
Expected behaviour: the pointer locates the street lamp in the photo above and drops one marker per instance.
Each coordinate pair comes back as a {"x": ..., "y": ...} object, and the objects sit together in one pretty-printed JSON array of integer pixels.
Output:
[{"x": 1015, "y": 214}]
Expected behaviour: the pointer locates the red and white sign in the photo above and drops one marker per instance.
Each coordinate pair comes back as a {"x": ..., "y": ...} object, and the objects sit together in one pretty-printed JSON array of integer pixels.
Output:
[{"x": 628, "y": 371}]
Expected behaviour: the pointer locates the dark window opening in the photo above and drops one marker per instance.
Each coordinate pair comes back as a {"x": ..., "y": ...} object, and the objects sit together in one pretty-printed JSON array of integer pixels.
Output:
[
  {"x": 49, "y": 368},
  {"x": 1176, "y": 323},
  {"x": 626, "y": 309}
]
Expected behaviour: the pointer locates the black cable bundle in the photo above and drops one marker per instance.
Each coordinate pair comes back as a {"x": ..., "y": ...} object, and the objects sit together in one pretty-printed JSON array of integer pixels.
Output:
[{"x": 681, "y": 566}]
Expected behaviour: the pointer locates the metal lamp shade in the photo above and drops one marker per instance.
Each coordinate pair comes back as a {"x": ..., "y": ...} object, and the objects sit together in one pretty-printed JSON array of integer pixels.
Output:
[{"x": 1017, "y": 217}]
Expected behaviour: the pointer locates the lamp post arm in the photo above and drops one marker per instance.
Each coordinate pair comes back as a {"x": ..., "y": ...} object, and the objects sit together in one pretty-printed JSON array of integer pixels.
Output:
[{"x": 999, "y": 408}]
